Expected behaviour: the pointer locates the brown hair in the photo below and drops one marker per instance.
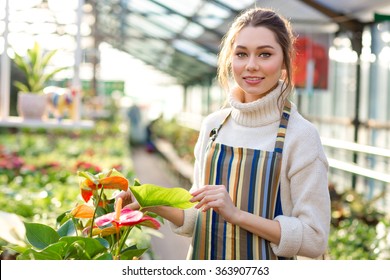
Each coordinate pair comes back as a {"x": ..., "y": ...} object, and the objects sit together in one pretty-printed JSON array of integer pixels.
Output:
[{"x": 258, "y": 17}]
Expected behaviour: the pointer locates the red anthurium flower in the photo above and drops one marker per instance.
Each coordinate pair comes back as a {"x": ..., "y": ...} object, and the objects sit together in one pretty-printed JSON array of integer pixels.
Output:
[{"x": 110, "y": 180}]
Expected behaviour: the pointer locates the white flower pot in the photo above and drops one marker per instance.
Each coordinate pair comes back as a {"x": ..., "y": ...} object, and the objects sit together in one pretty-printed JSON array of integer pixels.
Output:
[{"x": 32, "y": 106}]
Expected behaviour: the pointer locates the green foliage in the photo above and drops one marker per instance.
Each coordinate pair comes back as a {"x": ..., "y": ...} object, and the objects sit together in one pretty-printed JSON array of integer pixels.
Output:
[
  {"x": 40, "y": 236},
  {"x": 181, "y": 137},
  {"x": 34, "y": 67},
  {"x": 149, "y": 195},
  {"x": 359, "y": 231}
]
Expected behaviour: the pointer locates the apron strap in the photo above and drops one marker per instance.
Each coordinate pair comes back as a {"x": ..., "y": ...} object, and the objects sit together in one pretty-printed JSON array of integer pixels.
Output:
[
  {"x": 214, "y": 132},
  {"x": 283, "y": 127}
]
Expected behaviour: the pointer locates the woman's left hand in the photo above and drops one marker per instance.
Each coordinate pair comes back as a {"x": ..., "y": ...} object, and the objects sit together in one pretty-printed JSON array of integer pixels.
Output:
[{"x": 217, "y": 198}]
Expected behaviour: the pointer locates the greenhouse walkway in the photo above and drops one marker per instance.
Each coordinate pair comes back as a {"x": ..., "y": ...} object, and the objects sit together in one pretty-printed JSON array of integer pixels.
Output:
[{"x": 151, "y": 168}]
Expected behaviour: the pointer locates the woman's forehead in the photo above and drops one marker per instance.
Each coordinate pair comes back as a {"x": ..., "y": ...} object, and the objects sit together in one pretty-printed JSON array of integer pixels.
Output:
[{"x": 255, "y": 36}]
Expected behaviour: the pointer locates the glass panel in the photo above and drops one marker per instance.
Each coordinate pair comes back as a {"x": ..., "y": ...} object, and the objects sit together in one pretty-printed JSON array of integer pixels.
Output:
[
  {"x": 238, "y": 5},
  {"x": 188, "y": 47},
  {"x": 186, "y": 8},
  {"x": 172, "y": 22},
  {"x": 212, "y": 16},
  {"x": 142, "y": 23},
  {"x": 193, "y": 30},
  {"x": 208, "y": 58},
  {"x": 143, "y": 6}
]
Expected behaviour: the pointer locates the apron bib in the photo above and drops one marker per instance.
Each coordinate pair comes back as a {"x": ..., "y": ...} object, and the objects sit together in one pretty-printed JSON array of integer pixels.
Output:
[{"x": 252, "y": 179}]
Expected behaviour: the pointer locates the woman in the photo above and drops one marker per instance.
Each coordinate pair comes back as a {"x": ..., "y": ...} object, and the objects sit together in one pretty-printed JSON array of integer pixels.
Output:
[{"x": 261, "y": 173}]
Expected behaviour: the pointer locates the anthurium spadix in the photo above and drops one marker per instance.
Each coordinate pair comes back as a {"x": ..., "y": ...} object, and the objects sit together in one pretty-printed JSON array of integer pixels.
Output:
[{"x": 111, "y": 179}]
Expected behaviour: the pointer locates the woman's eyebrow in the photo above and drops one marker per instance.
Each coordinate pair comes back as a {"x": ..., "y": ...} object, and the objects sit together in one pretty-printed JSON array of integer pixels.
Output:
[{"x": 259, "y": 47}]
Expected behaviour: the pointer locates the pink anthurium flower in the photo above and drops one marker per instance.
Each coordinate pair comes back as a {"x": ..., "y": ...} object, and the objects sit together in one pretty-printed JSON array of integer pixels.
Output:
[{"x": 126, "y": 217}]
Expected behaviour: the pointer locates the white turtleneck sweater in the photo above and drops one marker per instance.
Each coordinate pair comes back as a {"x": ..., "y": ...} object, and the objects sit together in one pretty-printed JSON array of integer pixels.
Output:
[{"x": 304, "y": 182}]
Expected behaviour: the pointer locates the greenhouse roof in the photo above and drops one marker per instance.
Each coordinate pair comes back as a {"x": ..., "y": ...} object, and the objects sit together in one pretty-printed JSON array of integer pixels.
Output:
[
  {"x": 178, "y": 37},
  {"x": 181, "y": 38}
]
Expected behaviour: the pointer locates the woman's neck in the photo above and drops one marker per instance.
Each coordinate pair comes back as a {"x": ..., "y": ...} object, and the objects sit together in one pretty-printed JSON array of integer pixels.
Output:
[{"x": 260, "y": 112}]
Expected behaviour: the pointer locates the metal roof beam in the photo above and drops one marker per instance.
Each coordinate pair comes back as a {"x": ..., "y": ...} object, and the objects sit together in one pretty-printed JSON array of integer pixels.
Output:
[{"x": 345, "y": 22}]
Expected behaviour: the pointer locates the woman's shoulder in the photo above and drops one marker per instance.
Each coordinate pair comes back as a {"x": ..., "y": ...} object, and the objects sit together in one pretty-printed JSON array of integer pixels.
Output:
[
  {"x": 303, "y": 138},
  {"x": 301, "y": 125},
  {"x": 214, "y": 119}
]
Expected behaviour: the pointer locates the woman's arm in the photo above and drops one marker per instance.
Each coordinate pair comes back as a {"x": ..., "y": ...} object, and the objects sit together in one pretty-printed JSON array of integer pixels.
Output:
[{"x": 174, "y": 215}]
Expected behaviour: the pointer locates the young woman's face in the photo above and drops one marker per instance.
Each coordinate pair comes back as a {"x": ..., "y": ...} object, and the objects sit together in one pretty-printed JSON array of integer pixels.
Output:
[{"x": 257, "y": 61}]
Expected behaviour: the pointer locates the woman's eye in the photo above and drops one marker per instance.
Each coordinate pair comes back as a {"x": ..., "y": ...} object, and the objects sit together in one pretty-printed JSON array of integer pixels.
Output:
[
  {"x": 265, "y": 55},
  {"x": 241, "y": 54}
]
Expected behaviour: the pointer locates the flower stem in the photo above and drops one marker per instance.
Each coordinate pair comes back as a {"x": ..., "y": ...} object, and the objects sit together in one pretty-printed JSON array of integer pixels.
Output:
[
  {"x": 123, "y": 240},
  {"x": 94, "y": 212}
]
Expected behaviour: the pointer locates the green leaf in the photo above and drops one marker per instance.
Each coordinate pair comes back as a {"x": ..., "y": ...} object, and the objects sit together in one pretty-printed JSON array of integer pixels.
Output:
[
  {"x": 103, "y": 242},
  {"x": 67, "y": 229},
  {"x": 40, "y": 236},
  {"x": 88, "y": 176},
  {"x": 131, "y": 253},
  {"x": 82, "y": 247},
  {"x": 21, "y": 87},
  {"x": 52, "y": 252},
  {"x": 149, "y": 195},
  {"x": 137, "y": 182},
  {"x": 104, "y": 257},
  {"x": 76, "y": 251},
  {"x": 62, "y": 218}
]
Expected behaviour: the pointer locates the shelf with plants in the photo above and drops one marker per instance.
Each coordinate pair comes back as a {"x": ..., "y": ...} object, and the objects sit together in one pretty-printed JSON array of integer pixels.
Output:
[
  {"x": 38, "y": 169},
  {"x": 182, "y": 138}
]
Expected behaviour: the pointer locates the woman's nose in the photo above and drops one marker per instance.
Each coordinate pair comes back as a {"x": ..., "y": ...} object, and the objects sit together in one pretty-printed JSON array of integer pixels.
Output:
[{"x": 252, "y": 64}]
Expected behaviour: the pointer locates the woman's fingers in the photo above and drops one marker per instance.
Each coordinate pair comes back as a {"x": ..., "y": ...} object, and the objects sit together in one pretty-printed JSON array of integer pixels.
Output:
[
  {"x": 209, "y": 197},
  {"x": 127, "y": 198},
  {"x": 206, "y": 190},
  {"x": 133, "y": 206}
]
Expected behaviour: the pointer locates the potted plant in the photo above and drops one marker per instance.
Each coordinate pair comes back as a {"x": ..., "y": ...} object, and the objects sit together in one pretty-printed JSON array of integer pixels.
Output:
[{"x": 31, "y": 100}]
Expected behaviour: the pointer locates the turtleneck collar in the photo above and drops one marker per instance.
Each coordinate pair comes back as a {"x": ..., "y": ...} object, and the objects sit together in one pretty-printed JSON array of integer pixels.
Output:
[{"x": 257, "y": 113}]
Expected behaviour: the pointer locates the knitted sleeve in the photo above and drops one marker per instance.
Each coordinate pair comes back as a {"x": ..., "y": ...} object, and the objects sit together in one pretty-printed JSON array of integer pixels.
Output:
[{"x": 306, "y": 221}]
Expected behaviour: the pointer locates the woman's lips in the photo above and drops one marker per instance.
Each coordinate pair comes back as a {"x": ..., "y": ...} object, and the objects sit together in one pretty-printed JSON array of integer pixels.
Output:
[{"x": 252, "y": 80}]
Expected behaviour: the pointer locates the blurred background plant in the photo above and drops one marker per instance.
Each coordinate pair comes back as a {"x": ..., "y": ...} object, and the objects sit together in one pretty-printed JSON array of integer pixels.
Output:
[
  {"x": 182, "y": 138},
  {"x": 38, "y": 168},
  {"x": 359, "y": 231}
]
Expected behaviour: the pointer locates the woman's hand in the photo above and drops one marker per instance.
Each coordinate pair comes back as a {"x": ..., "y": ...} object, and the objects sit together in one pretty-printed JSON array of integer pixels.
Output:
[
  {"x": 128, "y": 200},
  {"x": 217, "y": 198}
]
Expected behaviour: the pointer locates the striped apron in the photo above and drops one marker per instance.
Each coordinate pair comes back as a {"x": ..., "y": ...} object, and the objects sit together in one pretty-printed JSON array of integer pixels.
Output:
[{"x": 252, "y": 178}]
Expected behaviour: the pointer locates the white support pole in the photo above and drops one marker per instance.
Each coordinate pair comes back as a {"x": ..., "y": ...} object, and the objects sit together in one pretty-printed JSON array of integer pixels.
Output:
[
  {"x": 5, "y": 70},
  {"x": 76, "y": 77}
]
